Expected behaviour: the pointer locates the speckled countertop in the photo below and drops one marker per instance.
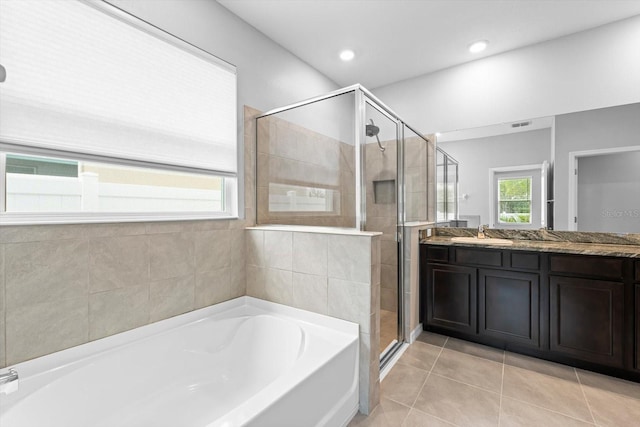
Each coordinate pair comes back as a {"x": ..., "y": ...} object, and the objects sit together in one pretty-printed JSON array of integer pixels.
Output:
[{"x": 603, "y": 244}]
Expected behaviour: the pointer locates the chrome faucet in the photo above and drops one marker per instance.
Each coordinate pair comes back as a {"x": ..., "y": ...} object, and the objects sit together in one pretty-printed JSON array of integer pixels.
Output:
[
  {"x": 481, "y": 231},
  {"x": 9, "y": 382}
]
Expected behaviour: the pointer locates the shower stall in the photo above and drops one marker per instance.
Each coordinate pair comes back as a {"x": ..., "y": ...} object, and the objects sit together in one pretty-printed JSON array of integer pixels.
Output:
[{"x": 345, "y": 159}]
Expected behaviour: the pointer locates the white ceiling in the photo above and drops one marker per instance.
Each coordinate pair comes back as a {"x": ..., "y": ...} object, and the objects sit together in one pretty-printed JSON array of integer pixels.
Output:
[{"x": 399, "y": 39}]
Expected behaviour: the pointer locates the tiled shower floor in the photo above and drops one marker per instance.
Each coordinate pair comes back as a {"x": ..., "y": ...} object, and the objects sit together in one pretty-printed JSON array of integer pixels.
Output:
[
  {"x": 441, "y": 381},
  {"x": 388, "y": 328}
]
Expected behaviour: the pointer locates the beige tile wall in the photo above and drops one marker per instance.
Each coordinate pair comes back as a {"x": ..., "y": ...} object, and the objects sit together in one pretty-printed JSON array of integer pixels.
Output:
[
  {"x": 332, "y": 274},
  {"x": 291, "y": 154},
  {"x": 67, "y": 285}
]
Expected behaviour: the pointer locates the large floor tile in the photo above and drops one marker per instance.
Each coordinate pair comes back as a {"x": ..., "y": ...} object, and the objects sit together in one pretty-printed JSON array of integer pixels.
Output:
[
  {"x": 474, "y": 349},
  {"x": 469, "y": 370},
  {"x": 420, "y": 419},
  {"x": 420, "y": 355},
  {"x": 552, "y": 393},
  {"x": 403, "y": 384},
  {"x": 432, "y": 338},
  {"x": 387, "y": 414},
  {"x": 514, "y": 413},
  {"x": 604, "y": 382},
  {"x": 612, "y": 409},
  {"x": 540, "y": 366},
  {"x": 460, "y": 404}
]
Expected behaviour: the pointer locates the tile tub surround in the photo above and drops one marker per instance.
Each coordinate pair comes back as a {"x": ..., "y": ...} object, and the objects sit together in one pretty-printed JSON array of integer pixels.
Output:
[
  {"x": 442, "y": 381},
  {"x": 65, "y": 285},
  {"x": 328, "y": 271}
]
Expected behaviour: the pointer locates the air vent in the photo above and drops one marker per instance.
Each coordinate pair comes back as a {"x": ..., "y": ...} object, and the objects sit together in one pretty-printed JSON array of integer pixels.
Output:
[{"x": 520, "y": 124}]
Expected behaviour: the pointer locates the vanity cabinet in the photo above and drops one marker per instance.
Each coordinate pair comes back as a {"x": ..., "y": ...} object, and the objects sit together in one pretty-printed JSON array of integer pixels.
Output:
[
  {"x": 586, "y": 296},
  {"x": 482, "y": 292},
  {"x": 582, "y": 310}
]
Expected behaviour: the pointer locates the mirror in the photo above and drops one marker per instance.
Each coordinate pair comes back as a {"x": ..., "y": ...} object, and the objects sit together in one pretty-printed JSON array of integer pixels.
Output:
[{"x": 592, "y": 182}]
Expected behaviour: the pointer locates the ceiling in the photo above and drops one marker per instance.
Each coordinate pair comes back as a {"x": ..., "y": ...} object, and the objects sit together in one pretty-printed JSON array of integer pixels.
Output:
[{"x": 398, "y": 39}]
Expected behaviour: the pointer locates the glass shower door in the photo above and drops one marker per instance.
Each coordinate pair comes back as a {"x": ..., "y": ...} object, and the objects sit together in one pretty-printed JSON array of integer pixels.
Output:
[{"x": 380, "y": 160}]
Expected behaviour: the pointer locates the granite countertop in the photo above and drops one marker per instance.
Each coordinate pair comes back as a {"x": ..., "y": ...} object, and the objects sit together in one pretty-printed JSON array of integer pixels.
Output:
[{"x": 582, "y": 248}]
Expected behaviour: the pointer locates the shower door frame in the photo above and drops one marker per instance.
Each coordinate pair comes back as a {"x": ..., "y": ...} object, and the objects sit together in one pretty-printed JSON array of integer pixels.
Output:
[{"x": 369, "y": 99}]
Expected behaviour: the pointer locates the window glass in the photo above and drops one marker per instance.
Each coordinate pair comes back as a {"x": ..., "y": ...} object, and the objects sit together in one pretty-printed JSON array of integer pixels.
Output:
[
  {"x": 46, "y": 184},
  {"x": 514, "y": 200}
]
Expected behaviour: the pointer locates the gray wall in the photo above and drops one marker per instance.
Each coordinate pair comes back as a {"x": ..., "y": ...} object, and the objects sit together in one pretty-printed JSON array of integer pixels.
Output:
[
  {"x": 589, "y": 130},
  {"x": 476, "y": 156},
  {"x": 609, "y": 193}
]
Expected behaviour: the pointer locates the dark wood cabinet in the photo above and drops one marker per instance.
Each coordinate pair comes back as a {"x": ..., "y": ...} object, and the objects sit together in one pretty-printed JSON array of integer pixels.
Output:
[
  {"x": 587, "y": 319},
  {"x": 582, "y": 310},
  {"x": 452, "y": 297},
  {"x": 508, "y": 306}
]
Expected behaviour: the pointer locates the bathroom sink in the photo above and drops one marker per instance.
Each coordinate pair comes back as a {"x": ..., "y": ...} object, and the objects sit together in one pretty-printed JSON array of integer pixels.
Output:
[{"x": 486, "y": 241}]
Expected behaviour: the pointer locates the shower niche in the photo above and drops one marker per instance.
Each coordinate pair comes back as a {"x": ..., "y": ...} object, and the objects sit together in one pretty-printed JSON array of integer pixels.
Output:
[{"x": 345, "y": 159}]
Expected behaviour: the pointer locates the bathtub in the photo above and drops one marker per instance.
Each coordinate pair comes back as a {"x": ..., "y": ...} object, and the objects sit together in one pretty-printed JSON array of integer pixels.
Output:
[{"x": 244, "y": 362}]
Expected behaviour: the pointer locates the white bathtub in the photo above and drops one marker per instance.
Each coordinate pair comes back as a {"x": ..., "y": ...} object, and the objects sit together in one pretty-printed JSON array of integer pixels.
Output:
[{"x": 245, "y": 362}]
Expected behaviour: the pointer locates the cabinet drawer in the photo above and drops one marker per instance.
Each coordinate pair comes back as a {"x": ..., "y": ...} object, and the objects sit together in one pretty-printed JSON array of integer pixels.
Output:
[
  {"x": 478, "y": 257},
  {"x": 438, "y": 253},
  {"x": 637, "y": 271},
  {"x": 526, "y": 261},
  {"x": 584, "y": 265}
]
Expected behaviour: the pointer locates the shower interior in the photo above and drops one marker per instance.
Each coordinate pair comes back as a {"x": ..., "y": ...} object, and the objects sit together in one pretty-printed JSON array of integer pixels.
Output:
[{"x": 346, "y": 160}]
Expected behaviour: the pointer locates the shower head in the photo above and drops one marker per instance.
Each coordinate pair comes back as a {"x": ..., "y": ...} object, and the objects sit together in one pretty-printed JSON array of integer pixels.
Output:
[{"x": 373, "y": 130}]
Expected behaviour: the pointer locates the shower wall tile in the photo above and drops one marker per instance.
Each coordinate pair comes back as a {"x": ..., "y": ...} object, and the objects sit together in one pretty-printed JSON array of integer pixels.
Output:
[
  {"x": 118, "y": 262},
  {"x": 170, "y": 297},
  {"x": 278, "y": 248},
  {"x": 37, "y": 329},
  {"x": 170, "y": 255},
  {"x": 118, "y": 310},
  {"x": 310, "y": 292},
  {"x": 46, "y": 271},
  {"x": 310, "y": 253},
  {"x": 349, "y": 258}
]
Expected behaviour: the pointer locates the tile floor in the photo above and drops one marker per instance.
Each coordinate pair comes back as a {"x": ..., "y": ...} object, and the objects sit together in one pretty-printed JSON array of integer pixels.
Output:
[{"x": 441, "y": 381}]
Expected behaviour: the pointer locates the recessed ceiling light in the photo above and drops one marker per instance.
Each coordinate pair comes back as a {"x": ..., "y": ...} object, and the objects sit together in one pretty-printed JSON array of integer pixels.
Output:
[
  {"x": 478, "y": 46},
  {"x": 347, "y": 55}
]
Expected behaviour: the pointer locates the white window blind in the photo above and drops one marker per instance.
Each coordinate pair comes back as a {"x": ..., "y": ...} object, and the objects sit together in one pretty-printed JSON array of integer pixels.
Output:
[{"x": 84, "y": 77}]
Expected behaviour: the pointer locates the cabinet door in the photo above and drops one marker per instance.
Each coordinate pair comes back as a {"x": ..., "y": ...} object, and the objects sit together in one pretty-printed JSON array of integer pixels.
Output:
[
  {"x": 587, "y": 319},
  {"x": 452, "y": 297},
  {"x": 508, "y": 306}
]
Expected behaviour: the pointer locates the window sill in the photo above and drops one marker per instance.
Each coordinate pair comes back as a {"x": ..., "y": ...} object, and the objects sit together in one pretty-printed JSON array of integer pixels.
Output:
[{"x": 96, "y": 218}]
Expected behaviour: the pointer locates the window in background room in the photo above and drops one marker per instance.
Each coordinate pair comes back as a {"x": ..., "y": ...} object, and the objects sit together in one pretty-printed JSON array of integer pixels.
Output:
[
  {"x": 104, "y": 114},
  {"x": 514, "y": 200}
]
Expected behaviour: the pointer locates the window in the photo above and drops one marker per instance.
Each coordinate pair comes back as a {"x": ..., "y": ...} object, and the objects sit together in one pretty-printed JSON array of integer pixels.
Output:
[
  {"x": 93, "y": 94},
  {"x": 514, "y": 200}
]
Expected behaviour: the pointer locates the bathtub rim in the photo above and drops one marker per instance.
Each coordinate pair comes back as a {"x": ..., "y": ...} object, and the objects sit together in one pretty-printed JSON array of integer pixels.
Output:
[{"x": 63, "y": 358}]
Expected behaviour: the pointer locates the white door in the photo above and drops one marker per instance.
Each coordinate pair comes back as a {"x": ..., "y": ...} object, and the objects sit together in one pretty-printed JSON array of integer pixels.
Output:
[{"x": 519, "y": 197}]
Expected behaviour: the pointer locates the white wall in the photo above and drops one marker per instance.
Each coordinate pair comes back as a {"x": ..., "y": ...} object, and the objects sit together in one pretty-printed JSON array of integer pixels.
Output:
[
  {"x": 592, "y": 69},
  {"x": 476, "y": 156},
  {"x": 609, "y": 193}
]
